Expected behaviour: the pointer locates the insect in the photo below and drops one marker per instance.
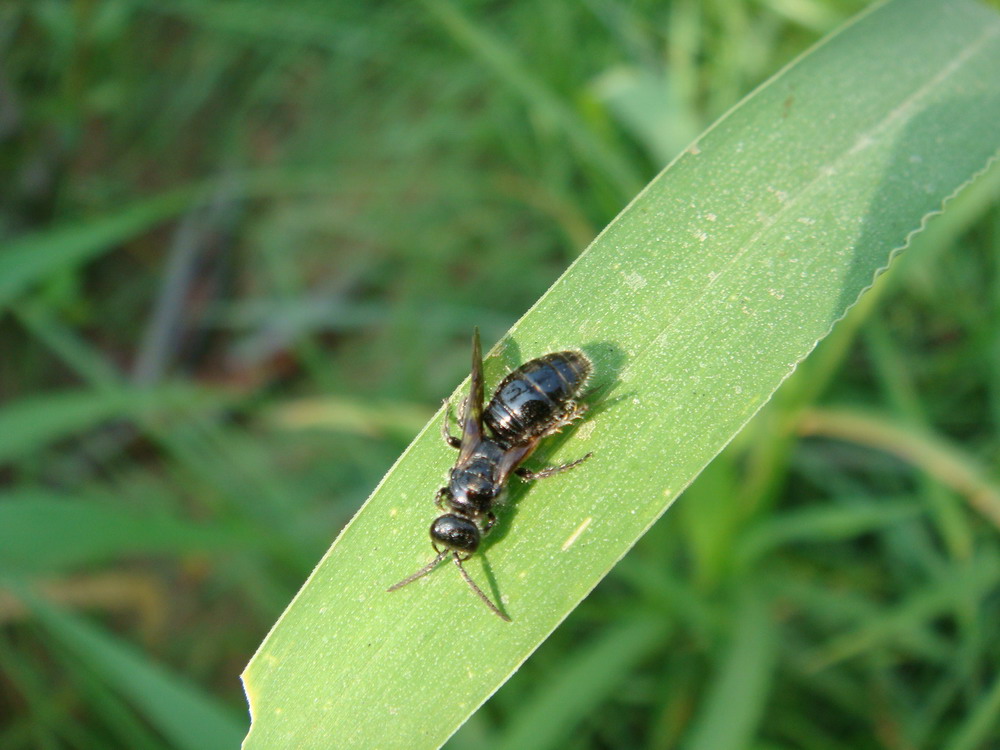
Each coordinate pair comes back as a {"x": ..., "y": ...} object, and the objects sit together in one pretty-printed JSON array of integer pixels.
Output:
[{"x": 533, "y": 401}]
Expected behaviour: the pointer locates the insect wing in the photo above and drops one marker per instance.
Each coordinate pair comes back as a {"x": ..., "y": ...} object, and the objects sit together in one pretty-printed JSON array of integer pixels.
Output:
[
  {"x": 514, "y": 457},
  {"x": 472, "y": 414}
]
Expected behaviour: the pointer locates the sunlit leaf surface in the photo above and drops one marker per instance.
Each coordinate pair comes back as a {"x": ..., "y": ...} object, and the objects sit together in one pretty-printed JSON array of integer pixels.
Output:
[{"x": 694, "y": 305}]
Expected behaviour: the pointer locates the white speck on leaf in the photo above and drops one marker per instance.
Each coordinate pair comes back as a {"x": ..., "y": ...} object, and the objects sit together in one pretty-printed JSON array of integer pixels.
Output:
[
  {"x": 575, "y": 535},
  {"x": 635, "y": 280}
]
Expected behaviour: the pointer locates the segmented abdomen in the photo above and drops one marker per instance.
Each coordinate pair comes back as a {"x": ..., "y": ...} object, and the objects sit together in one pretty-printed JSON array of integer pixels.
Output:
[{"x": 529, "y": 400}]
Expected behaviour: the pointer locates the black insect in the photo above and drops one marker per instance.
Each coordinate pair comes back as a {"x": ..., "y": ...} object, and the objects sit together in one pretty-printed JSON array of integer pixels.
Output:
[{"x": 535, "y": 400}]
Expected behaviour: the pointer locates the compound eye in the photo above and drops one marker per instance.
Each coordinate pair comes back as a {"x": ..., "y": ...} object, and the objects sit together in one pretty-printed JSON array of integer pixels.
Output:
[{"x": 455, "y": 533}]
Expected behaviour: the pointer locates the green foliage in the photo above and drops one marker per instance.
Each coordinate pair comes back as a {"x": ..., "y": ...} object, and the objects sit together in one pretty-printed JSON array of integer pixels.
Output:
[
  {"x": 244, "y": 246},
  {"x": 694, "y": 305},
  {"x": 187, "y": 718}
]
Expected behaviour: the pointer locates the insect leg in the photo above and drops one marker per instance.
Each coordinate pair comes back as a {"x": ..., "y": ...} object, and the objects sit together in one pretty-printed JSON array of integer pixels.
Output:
[
  {"x": 449, "y": 439},
  {"x": 573, "y": 412},
  {"x": 439, "y": 500},
  {"x": 491, "y": 520},
  {"x": 528, "y": 475}
]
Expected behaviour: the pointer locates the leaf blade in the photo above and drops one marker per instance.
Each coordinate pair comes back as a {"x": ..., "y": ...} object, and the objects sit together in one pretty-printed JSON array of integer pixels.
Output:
[
  {"x": 695, "y": 304},
  {"x": 179, "y": 709}
]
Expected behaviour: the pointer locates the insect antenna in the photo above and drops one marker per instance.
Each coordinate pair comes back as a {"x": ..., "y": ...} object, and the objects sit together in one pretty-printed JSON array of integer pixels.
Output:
[
  {"x": 420, "y": 573},
  {"x": 474, "y": 587}
]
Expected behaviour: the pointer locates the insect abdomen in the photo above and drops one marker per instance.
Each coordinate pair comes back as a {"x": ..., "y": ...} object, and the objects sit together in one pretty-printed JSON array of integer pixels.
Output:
[{"x": 533, "y": 397}]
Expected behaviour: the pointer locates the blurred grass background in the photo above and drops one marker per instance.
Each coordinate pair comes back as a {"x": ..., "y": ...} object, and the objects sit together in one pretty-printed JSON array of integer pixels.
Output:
[{"x": 244, "y": 245}]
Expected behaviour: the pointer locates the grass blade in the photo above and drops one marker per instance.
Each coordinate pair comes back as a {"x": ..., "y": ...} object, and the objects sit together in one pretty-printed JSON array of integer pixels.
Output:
[
  {"x": 189, "y": 718},
  {"x": 81, "y": 531},
  {"x": 31, "y": 258},
  {"x": 30, "y": 424},
  {"x": 695, "y": 304},
  {"x": 740, "y": 690},
  {"x": 595, "y": 672}
]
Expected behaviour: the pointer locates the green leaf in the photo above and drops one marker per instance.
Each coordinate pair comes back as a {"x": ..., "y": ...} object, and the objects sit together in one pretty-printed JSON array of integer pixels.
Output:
[
  {"x": 31, "y": 258},
  {"x": 30, "y": 424},
  {"x": 544, "y": 103},
  {"x": 695, "y": 304},
  {"x": 902, "y": 621},
  {"x": 823, "y": 525},
  {"x": 181, "y": 711},
  {"x": 34, "y": 257},
  {"x": 85, "y": 531},
  {"x": 738, "y": 692},
  {"x": 981, "y": 723},
  {"x": 595, "y": 672}
]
